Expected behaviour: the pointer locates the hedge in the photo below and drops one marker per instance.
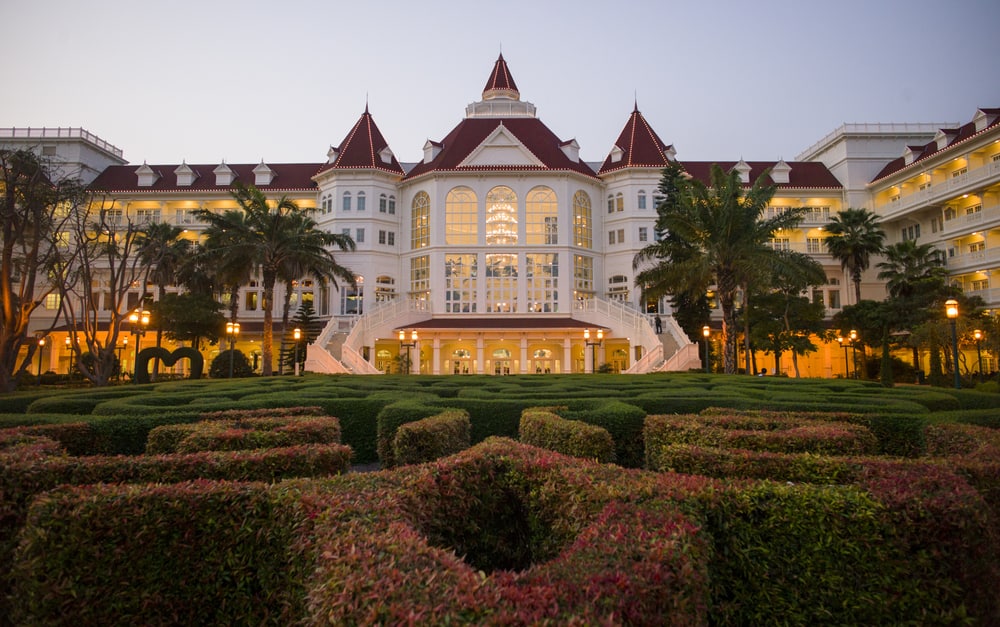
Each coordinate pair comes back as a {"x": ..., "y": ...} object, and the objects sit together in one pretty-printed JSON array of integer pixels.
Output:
[
  {"x": 432, "y": 438},
  {"x": 622, "y": 420},
  {"x": 390, "y": 419},
  {"x": 545, "y": 429}
]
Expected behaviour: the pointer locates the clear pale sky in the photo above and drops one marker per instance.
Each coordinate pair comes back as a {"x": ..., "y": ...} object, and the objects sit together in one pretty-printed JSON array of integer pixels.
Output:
[{"x": 206, "y": 80}]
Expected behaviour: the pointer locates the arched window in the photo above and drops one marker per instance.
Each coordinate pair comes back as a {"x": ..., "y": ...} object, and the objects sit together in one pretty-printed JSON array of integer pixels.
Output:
[
  {"x": 420, "y": 220},
  {"x": 382, "y": 203},
  {"x": 611, "y": 203},
  {"x": 392, "y": 205},
  {"x": 347, "y": 201},
  {"x": 583, "y": 226},
  {"x": 385, "y": 288},
  {"x": 642, "y": 199},
  {"x": 541, "y": 217},
  {"x": 501, "y": 216},
  {"x": 361, "y": 201},
  {"x": 461, "y": 224},
  {"x": 619, "y": 202},
  {"x": 351, "y": 298}
]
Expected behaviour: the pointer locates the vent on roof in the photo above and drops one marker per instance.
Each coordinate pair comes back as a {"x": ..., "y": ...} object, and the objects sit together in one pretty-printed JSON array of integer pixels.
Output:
[
  {"x": 385, "y": 155},
  {"x": 572, "y": 150},
  {"x": 185, "y": 175},
  {"x": 262, "y": 175},
  {"x": 617, "y": 154},
  {"x": 743, "y": 169},
  {"x": 431, "y": 150},
  {"x": 224, "y": 175},
  {"x": 779, "y": 173},
  {"x": 147, "y": 175}
]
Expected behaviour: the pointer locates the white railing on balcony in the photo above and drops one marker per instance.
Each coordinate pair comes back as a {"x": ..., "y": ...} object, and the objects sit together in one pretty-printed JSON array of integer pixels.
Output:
[
  {"x": 987, "y": 215},
  {"x": 980, "y": 260},
  {"x": 990, "y": 296},
  {"x": 940, "y": 192},
  {"x": 637, "y": 327},
  {"x": 58, "y": 132}
]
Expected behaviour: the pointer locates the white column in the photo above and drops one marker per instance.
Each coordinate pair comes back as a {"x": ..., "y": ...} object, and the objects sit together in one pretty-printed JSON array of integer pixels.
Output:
[
  {"x": 480, "y": 354},
  {"x": 436, "y": 364},
  {"x": 524, "y": 354},
  {"x": 567, "y": 355}
]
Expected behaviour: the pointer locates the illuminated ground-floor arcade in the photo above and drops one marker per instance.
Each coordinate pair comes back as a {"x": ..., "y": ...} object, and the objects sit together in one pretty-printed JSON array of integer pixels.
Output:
[{"x": 501, "y": 346}]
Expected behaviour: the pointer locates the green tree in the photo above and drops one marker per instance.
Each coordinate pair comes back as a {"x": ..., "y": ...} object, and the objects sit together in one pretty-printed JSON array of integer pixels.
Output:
[
  {"x": 34, "y": 209},
  {"x": 163, "y": 250},
  {"x": 310, "y": 326},
  {"x": 719, "y": 235},
  {"x": 854, "y": 236},
  {"x": 265, "y": 237},
  {"x": 189, "y": 317}
]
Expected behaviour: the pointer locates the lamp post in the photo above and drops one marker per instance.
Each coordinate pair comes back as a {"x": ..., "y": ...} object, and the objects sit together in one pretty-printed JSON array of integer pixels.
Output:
[
  {"x": 847, "y": 365},
  {"x": 69, "y": 351},
  {"x": 232, "y": 330},
  {"x": 593, "y": 344},
  {"x": 705, "y": 332},
  {"x": 41, "y": 347},
  {"x": 951, "y": 311},
  {"x": 297, "y": 334},
  {"x": 140, "y": 320},
  {"x": 854, "y": 352},
  {"x": 407, "y": 345},
  {"x": 121, "y": 366},
  {"x": 979, "y": 351}
]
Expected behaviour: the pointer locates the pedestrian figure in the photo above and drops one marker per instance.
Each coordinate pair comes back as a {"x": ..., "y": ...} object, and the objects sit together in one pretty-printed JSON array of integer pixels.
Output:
[{"x": 659, "y": 324}]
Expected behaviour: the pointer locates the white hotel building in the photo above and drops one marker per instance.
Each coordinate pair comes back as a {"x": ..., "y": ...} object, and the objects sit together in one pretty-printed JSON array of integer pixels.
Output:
[{"x": 502, "y": 247}]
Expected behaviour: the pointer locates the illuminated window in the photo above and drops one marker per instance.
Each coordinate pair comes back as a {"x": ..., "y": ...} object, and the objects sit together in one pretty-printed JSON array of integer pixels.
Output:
[
  {"x": 618, "y": 288},
  {"x": 541, "y": 272},
  {"x": 541, "y": 217},
  {"x": 814, "y": 245},
  {"x": 501, "y": 283},
  {"x": 420, "y": 277},
  {"x": 959, "y": 172},
  {"x": 250, "y": 301},
  {"x": 619, "y": 202},
  {"x": 385, "y": 288},
  {"x": 779, "y": 243},
  {"x": 583, "y": 277},
  {"x": 583, "y": 230},
  {"x": 420, "y": 220},
  {"x": 352, "y": 298},
  {"x": 52, "y": 301},
  {"x": 461, "y": 224},
  {"x": 147, "y": 216},
  {"x": 461, "y": 274},
  {"x": 501, "y": 217}
]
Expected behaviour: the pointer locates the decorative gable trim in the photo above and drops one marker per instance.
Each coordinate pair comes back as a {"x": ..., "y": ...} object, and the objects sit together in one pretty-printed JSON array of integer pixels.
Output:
[
  {"x": 912, "y": 153},
  {"x": 224, "y": 175},
  {"x": 331, "y": 155},
  {"x": 501, "y": 147},
  {"x": 185, "y": 175},
  {"x": 262, "y": 174},
  {"x": 616, "y": 154},
  {"x": 944, "y": 137},
  {"x": 385, "y": 155},
  {"x": 147, "y": 175},
  {"x": 743, "y": 169},
  {"x": 982, "y": 120}
]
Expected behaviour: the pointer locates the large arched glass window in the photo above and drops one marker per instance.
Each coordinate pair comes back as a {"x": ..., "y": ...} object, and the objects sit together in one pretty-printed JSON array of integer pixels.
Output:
[
  {"x": 461, "y": 224},
  {"x": 501, "y": 216},
  {"x": 541, "y": 217},
  {"x": 351, "y": 298},
  {"x": 420, "y": 220},
  {"x": 583, "y": 225}
]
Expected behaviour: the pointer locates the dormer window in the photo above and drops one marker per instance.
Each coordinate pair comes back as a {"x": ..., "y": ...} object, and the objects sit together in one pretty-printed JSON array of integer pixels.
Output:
[
  {"x": 617, "y": 154},
  {"x": 224, "y": 175},
  {"x": 385, "y": 155},
  {"x": 780, "y": 172},
  {"x": 431, "y": 150},
  {"x": 743, "y": 169},
  {"x": 572, "y": 150},
  {"x": 262, "y": 174},
  {"x": 185, "y": 175},
  {"x": 147, "y": 175}
]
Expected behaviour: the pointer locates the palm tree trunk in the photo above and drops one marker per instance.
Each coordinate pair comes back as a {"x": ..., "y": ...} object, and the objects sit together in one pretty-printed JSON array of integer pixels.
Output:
[
  {"x": 267, "y": 301},
  {"x": 856, "y": 278},
  {"x": 727, "y": 293}
]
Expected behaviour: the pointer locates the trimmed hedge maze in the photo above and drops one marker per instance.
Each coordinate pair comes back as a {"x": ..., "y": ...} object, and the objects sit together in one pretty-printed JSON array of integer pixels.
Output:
[{"x": 731, "y": 501}]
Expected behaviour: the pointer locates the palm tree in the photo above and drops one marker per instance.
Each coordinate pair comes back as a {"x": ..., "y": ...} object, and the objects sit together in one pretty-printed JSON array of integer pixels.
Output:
[
  {"x": 163, "y": 250},
  {"x": 265, "y": 237},
  {"x": 855, "y": 235},
  {"x": 718, "y": 236},
  {"x": 910, "y": 268}
]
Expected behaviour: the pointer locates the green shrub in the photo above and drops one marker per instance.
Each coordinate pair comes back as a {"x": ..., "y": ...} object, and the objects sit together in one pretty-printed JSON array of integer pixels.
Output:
[
  {"x": 64, "y": 404},
  {"x": 390, "y": 419},
  {"x": 623, "y": 421},
  {"x": 230, "y": 359},
  {"x": 570, "y": 437},
  {"x": 432, "y": 438}
]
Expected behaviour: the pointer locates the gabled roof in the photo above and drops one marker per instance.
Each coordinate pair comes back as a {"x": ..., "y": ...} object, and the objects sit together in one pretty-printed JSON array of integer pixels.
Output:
[
  {"x": 362, "y": 147},
  {"x": 470, "y": 133},
  {"x": 500, "y": 82},
  {"x": 803, "y": 174},
  {"x": 640, "y": 146},
  {"x": 956, "y": 136},
  {"x": 123, "y": 178}
]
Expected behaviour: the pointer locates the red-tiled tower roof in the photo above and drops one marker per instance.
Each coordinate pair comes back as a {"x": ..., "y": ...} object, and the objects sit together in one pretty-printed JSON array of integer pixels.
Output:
[
  {"x": 364, "y": 147},
  {"x": 501, "y": 83},
  {"x": 638, "y": 146}
]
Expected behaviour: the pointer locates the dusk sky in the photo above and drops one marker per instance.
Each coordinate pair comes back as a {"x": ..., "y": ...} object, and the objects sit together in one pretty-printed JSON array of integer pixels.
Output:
[{"x": 208, "y": 80}]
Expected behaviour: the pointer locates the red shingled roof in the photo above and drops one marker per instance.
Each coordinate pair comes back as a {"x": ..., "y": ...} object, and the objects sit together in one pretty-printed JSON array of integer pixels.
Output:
[
  {"x": 500, "y": 79},
  {"x": 471, "y": 132},
  {"x": 640, "y": 145},
  {"x": 804, "y": 174},
  {"x": 957, "y": 135},
  {"x": 361, "y": 149},
  {"x": 288, "y": 177}
]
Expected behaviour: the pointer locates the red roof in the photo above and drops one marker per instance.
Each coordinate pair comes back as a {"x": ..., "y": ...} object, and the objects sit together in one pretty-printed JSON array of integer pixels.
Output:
[
  {"x": 955, "y": 135},
  {"x": 287, "y": 177},
  {"x": 500, "y": 80},
  {"x": 361, "y": 149},
  {"x": 640, "y": 145},
  {"x": 471, "y": 132},
  {"x": 803, "y": 174}
]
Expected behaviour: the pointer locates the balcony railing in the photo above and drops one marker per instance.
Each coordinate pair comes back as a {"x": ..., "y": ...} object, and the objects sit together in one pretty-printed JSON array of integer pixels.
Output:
[
  {"x": 954, "y": 186},
  {"x": 979, "y": 260},
  {"x": 977, "y": 220},
  {"x": 59, "y": 133}
]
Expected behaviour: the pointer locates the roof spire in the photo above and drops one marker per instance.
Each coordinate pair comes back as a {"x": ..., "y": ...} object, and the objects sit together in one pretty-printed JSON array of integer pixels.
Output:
[{"x": 501, "y": 83}]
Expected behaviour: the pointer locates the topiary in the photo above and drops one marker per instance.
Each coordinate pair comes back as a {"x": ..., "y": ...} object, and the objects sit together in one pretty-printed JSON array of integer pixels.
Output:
[{"x": 221, "y": 365}]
